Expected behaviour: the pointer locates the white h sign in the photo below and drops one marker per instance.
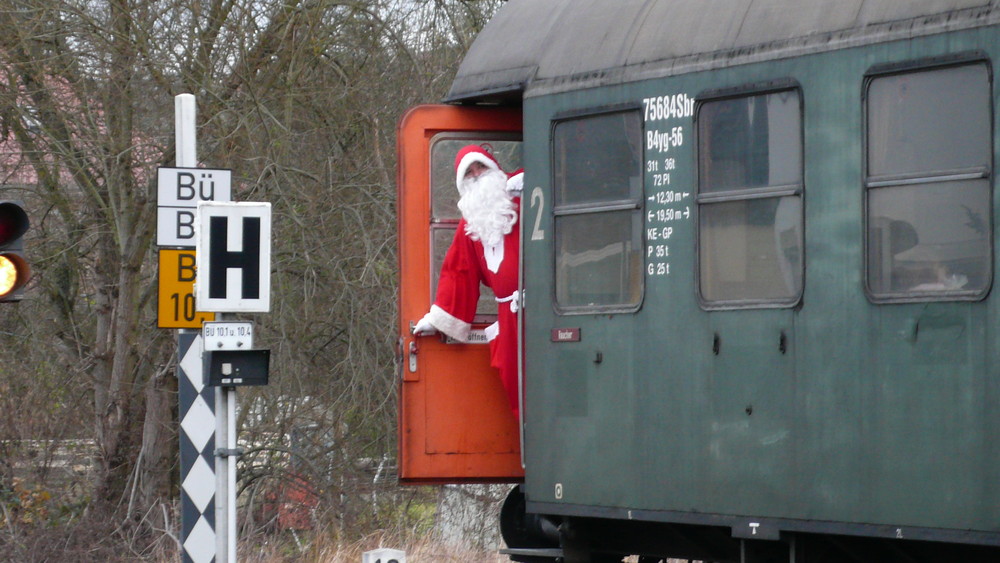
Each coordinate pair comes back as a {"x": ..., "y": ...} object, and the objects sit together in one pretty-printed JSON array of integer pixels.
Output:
[
  {"x": 233, "y": 242},
  {"x": 178, "y": 192}
]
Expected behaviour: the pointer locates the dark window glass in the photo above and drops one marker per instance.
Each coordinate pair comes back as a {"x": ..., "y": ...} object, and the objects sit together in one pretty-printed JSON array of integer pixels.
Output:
[
  {"x": 750, "y": 200},
  {"x": 597, "y": 259},
  {"x": 444, "y": 199},
  {"x": 929, "y": 238},
  {"x": 597, "y": 163},
  {"x": 928, "y": 184},
  {"x": 444, "y": 192},
  {"x": 441, "y": 237},
  {"x": 930, "y": 121},
  {"x": 751, "y": 249},
  {"x": 597, "y": 159},
  {"x": 750, "y": 142}
]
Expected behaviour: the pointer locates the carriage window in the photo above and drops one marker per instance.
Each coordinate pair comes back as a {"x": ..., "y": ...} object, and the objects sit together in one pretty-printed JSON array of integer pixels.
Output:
[
  {"x": 750, "y": 200},
  {"x": 597, "y": 163},
  {"x": 444, "y": 199},
  {"x": 929, "y": 149}
]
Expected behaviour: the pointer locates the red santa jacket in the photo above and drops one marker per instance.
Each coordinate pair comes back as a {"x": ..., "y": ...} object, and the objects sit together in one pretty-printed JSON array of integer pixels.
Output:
[{"x": 465, "y": 266}]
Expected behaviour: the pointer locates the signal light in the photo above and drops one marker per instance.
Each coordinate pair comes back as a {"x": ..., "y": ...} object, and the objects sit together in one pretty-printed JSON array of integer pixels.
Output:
[{"x": 14, "y": 269}]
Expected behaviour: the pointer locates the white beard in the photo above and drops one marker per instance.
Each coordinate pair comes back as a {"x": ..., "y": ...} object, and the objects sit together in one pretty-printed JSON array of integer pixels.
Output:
[{"x": 488, "y": 210}]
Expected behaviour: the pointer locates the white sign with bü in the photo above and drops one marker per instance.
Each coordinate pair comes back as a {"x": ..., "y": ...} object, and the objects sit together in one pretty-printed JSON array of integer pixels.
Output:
[{"x": 178, "y": 192}]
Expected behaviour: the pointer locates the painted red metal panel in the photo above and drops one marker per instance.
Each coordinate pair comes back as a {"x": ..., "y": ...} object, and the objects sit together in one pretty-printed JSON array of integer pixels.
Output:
[{"x": 454, "y": 421}]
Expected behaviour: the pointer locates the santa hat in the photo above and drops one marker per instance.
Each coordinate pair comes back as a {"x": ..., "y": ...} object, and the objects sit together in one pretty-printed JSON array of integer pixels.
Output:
[{"x": 468, "y": 155}]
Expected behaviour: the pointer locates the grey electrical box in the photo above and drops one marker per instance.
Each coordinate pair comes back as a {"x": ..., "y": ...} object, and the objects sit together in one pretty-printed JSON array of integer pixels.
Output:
[{"x": 235, "y": 368}]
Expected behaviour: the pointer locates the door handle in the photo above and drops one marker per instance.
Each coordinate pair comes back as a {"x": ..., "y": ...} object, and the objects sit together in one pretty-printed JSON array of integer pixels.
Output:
[
  {"x": 408, "y": 365},
  {"x": 411, "y": 353}
]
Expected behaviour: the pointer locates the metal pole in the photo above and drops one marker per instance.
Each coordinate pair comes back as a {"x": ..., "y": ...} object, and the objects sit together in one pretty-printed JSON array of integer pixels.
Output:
[
  {"x": 225, "y": 472},
  {"x": 230, "y": 393},
  {"x": 221, "y": 477},
  {"x": 225, "y": 398},
  {"x": 184, "y": 123}
]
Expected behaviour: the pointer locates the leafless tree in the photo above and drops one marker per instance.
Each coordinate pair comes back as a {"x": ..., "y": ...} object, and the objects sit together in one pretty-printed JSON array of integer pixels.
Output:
[{"x": 300, "y": 99}]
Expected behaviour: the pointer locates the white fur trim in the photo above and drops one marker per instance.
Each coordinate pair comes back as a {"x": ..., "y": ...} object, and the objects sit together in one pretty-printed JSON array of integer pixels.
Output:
[
  {"x": 448, "y": 324},
  {"x": 469, "y": 159},
  {"x": 515, "y": 185}
]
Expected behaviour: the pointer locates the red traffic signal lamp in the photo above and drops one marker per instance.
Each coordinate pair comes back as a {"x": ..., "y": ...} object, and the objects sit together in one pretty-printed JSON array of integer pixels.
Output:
[{"x": 14, "y": 269}]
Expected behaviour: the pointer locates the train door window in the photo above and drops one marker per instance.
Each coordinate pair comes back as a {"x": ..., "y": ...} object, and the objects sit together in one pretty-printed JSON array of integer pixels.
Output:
[
  {"x": 444, "y": 200},
  {"x": 750, "y": 200},
  {"x": 597, "y": 166},
  {"x": 928, "y": 176}
]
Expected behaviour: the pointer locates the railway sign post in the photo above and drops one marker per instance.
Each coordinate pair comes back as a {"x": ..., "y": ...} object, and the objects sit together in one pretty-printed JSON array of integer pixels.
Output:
[{"x": 233, "y": 244}]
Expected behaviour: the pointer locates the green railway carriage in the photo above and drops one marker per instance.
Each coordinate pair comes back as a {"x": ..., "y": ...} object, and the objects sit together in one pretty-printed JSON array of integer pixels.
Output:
[{"x": 759, "y": 251}]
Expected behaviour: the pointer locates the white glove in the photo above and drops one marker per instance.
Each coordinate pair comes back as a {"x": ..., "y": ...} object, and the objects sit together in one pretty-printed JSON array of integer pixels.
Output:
[{"x": 424, "y": 326}]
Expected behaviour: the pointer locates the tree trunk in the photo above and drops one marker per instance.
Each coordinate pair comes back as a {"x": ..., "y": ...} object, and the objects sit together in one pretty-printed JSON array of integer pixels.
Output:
[{"x": 159, "y": 435}]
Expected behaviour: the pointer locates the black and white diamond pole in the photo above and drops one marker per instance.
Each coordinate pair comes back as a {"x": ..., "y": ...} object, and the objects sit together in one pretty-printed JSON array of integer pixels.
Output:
[{"x": 197, "y": 452}]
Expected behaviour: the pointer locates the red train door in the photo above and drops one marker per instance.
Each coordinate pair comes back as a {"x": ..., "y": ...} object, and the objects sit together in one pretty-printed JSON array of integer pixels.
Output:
[{"x": 454, "y": 422}]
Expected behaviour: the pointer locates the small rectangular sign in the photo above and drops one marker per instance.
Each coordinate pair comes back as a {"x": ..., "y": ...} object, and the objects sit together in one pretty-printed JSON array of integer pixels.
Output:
[
  {"x": 476, "y": 336},
  {"x": 565, "y": 335},
  {"x": 178, "y": 191},
  {"x": 227, "y": 335},
  {"x": 185, "y": 187},
  {"x": 175, "y": 305},
  {"x": 175, "y": 226}
]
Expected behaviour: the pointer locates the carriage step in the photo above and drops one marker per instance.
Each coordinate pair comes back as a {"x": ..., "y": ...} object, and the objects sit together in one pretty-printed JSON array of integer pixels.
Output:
[{"x": 533, "y": 555}]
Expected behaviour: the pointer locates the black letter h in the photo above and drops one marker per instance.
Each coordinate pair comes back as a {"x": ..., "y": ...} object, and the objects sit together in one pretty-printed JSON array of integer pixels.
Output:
[{"x": 221, "y": 259}]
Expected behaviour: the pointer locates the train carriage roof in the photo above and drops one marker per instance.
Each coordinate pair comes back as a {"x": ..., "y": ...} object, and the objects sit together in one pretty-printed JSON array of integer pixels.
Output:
[{"x": 534, "y": 47}]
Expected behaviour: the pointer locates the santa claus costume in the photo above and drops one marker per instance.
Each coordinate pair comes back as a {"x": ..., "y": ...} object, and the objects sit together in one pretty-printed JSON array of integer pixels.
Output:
[{"x": 484, "y": 250}]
